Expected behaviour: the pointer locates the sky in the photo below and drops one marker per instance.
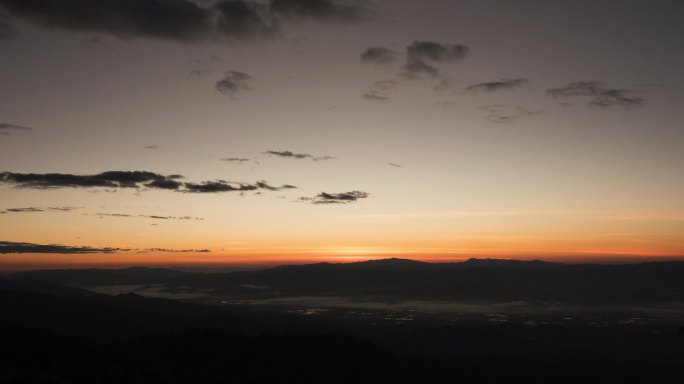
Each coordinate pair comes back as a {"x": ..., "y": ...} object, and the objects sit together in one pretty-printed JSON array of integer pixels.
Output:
[{"x": 214, "y": 133}]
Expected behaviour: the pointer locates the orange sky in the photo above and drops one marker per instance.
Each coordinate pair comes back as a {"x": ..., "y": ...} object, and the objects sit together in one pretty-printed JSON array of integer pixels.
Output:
[{"x": 301, "y": 146}]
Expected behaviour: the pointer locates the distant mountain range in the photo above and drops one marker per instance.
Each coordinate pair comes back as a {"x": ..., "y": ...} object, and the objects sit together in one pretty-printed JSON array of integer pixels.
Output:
[{"x": 489, "y": 280}]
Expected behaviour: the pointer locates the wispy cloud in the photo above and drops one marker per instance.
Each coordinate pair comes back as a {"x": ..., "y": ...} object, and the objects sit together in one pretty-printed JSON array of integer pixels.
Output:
[
  {"x": 170, "y": 250},
  {"x": 36, "y": 209},
  {"x": 336, "y": 198},
  {"x": 597, "y": 94},
  {"x": 155, "y": 217},
  {"x": 14, "y": 247},
  {"x": 380, "y": 89},
  {"x": 500, "y": 85},
  {"x": 299, "y": 156},
  {"x": 374, "y": 96},
  {"x": 233, "y": 83},
  {"x": 379, "y": 56},
  {"x": 502, "y": 114},
  {"x": 7, "y": 129},
  {"x": 238, "y": 160}
]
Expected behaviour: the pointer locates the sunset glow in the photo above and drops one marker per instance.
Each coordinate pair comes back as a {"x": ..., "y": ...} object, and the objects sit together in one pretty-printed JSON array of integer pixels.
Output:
[{"x": 396, "y": 131}]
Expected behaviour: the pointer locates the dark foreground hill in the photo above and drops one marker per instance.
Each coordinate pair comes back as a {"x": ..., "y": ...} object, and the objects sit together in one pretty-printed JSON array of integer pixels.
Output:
[
  {"x": 114, "y": 341},
  {"x": 55, "y": 334}
]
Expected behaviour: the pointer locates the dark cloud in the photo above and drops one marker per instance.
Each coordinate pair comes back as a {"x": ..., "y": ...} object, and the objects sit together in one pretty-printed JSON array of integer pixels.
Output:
[
  {"x": 497, "y": 85},
  {"x": 598, "y": 95},
  {"x": 336, "y": 198},
  {"x": 299, "y": 156},
  {"x": 170, "y": 19},
  {"x": 416, "y": 69},
  {"x": 35, "y": 209},
  {"x": 226, "y": 186},
  {"x": 127, "y": 179},
  {"x": 502, "y": 114},
  {"x": 422, "y": 58},
  {"x": 379, "y": 56},
  {"x": 178, "y": 20},
  {"x": 151, "y": 147},
  {"x": 264, "y": 185},
  {"x": 395, "y": 165},
  {"x": 238, "y": 160},
  {"x": 6, "y": 129},
  {"x": 12, "y": 247},
  {"x": 233, "y": 83},
  {"x": 435, "y": 52},
  {"x": 18, "y": 210},
  {"x": 111, "y": 179},
  {"x": 217, "y": 186},
  {"x": 243, "y": 19},
  {"x": 321, "y": 9}
]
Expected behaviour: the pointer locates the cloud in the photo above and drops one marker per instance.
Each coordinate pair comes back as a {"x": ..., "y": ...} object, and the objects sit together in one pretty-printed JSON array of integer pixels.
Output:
[
  {"x": 265, "y": 185},
  {"x": 379, "y": 90},
  {"x": 6, "y": 129},
  {"x": 238, "y": 160},
  {"x": 178, "y": 20},
  {"x": 395, "y": 165},
  {"x": 172, "y": 19},
  {"x": 416, "y": 69},
  {"x": 226, "y": 186},
  {"x": 233, "y": 83},
  {"x": 423, "y": 56},
  {"x": 151, "y": 147},
  {"x": 127, "y": 179},
  {"x": 500, "y": 85},
  {"x": 435, "y": 52},
  {"x": 299, "y": 156},
  {"x": 598, "y": 96},
  {"x": 336, "y": 198},
  {"x": 35, "y": 209},
  {"x": 13, "y": 247},
  {"x": 503, "y": 114},
  {"x": 168, "y": 250},
  {"x": 242, "y": 19},
  {"x": 379, "y": 56},
  {"x": 155, "y": 217},
  {"x": 111, "y": 179},
  {"x": 320, "y": 9}
]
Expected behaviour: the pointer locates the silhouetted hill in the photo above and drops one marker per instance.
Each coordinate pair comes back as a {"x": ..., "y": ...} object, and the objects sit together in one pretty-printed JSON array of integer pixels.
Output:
[
  {"x": 20, "y": 283},
  {"x": 98, "y": 277},
  {"x": 472, "y": 280}
]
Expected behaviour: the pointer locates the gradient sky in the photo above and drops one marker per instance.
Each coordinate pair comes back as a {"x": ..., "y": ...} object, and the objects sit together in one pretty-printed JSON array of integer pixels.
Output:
[{"x": 518, "y": 129}]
